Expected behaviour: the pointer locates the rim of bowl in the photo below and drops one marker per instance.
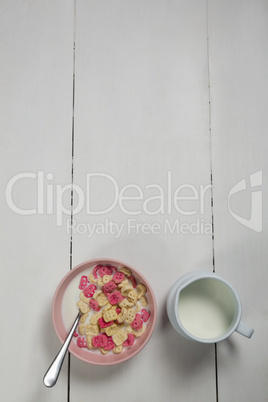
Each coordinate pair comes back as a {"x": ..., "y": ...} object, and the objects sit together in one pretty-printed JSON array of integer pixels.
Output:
[{"x": 85, "y": 355}]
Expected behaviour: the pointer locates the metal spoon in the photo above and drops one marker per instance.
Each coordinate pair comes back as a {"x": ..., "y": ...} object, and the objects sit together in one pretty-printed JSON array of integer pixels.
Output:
[{"x": 52, "y": 374}]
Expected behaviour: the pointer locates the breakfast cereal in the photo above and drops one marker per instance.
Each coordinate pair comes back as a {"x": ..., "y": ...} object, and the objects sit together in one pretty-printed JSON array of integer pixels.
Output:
[
  {"x": 94, "y": 318},
  {"x": 129, "y": 341},
  {"x": 145, "y": 315},
  {"x": 144, "y": 301},
  {"x": 84, "y": 308},
  {"x": 112, "y": 330},
  {"x": 91, "y": 330},
  {"x": 118, "y": 349},
  {"x": 83, "y": 318},
  {"x": 120, "y": 337},
  {"x": 89, "y": 342},
  {"x": 81, "y": 329},
  {"x": 112, "y": 303}
]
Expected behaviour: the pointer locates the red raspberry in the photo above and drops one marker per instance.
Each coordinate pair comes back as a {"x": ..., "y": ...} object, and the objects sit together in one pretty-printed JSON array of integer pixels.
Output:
[
  {"x": 94, "y": 305},
  {"x": 145, "y": 315},
  {"x": 137, "y": 322},
  {"x": 83, "y": 282},
  {"x": 81, "y": 342},
  {"x": 115, "y": 297},
  {"x": 109, "y": 287},
  {"x": 118, "y": 277},
  {"x": 130, "y": 340},
  {"x": 100, "y": 341},
  {"x": 75, "y": 334}
]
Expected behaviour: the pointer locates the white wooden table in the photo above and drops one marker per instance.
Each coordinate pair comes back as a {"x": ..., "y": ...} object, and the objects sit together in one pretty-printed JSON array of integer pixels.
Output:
[{"x": 133, "y": 98}]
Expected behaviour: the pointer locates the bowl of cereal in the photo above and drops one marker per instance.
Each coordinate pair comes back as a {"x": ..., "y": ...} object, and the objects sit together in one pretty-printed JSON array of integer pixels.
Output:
[{"x": 118, "y": 311}]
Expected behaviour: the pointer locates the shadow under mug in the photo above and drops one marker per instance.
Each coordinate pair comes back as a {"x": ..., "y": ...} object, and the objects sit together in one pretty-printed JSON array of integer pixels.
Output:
[{"x": 203, "y": 307}]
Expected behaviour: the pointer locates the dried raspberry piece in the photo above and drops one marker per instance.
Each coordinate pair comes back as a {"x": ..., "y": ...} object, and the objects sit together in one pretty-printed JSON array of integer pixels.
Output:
[
  {"x": 133, "y": 280},
  {"x": 118, "y": 310},
  {"x": 145, "y": 315},
  {"x": 90, "y": 290},
  {"x": 137, "y": 322},
  {"x": 110, "y": 344},
  {"x": 130, "y": 340},
  {"x": 83, "y": 282},
  {"x": 94, "y": 305},
  {"x": 115, "y": 297},
  {"x": 118, "y": 277},
  {"x": 100, "y": 341},
  {"x": 81, "y": 342},
  {"x": 104, "y": 324},
  {"x": 75, "y": 334},
  {"x": 109, "y": 287}
]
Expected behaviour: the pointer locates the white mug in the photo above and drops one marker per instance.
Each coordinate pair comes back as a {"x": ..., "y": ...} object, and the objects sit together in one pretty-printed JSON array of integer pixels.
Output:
[{"x": 203, "y": 307}]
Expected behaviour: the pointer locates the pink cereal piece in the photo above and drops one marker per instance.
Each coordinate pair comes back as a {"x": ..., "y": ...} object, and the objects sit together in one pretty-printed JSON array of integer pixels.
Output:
[
  {"x": 118, "y": 277},
  {"x": 89, "y": 290},
  {"x": 130, "y": 340},
  {"x": 112, "y": 267},
  {"x": 133, "y": 280},
  {"x": 95, "y": 271},
  {"x": 83, "y": 282},
  {"x": 81, "y": 342},
  {"x": 115, "y": 297},
  {"x": 137, "y": 322},
  {"x": 105, "y": 270},
  {"x": 104, "y": 324},
  {"x": 75, "y": 334},
  {"x": 94, "y": 305},
  {"x": 110, "y": 344},
  {"x": 145, "y": 315},
  {"x": 106, "y": 293},
  {"x": 100, "y": 341},
  {"x": 109, "y": 287}
]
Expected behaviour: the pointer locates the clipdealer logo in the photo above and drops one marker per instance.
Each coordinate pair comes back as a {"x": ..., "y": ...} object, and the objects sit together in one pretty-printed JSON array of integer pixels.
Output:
[
  {"x": 180, "y": 209},
  {"x": 170, "y": 203},
  {"x": 254, "y": 222}
]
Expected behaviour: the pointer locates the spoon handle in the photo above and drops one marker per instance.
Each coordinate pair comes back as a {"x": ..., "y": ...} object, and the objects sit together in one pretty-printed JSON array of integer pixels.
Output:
[{"x": 52, "y": 374}]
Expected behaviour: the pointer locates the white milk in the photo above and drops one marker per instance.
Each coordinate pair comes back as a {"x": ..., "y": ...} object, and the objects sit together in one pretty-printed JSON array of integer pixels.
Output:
[
  {"x": 69, "y": 308},
  {"x": 206, "y": 308}
]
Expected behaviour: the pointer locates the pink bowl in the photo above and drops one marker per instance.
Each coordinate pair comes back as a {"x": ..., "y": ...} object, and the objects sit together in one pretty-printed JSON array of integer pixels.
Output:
[{"x": 85, "y": 354}]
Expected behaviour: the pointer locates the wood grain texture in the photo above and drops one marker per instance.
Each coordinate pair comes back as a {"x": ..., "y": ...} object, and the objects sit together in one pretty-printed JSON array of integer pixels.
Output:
[
  {"x": 165, "y": 93},
  {"x": 141, "y": 112},
  {"x": 238, "y": 69},
  {"x": 36, "y": 110}
]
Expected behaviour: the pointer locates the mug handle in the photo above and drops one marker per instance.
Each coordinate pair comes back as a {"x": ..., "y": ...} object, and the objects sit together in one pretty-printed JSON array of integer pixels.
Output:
[{"x": 244, "y": 329}]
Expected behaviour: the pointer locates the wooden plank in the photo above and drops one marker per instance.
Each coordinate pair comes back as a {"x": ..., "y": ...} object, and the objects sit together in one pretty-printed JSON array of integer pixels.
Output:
[
  {"x": 141, "y": 118},
  {"x": 36, "y": 129},
  {"x": 238, "y": 36}
]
